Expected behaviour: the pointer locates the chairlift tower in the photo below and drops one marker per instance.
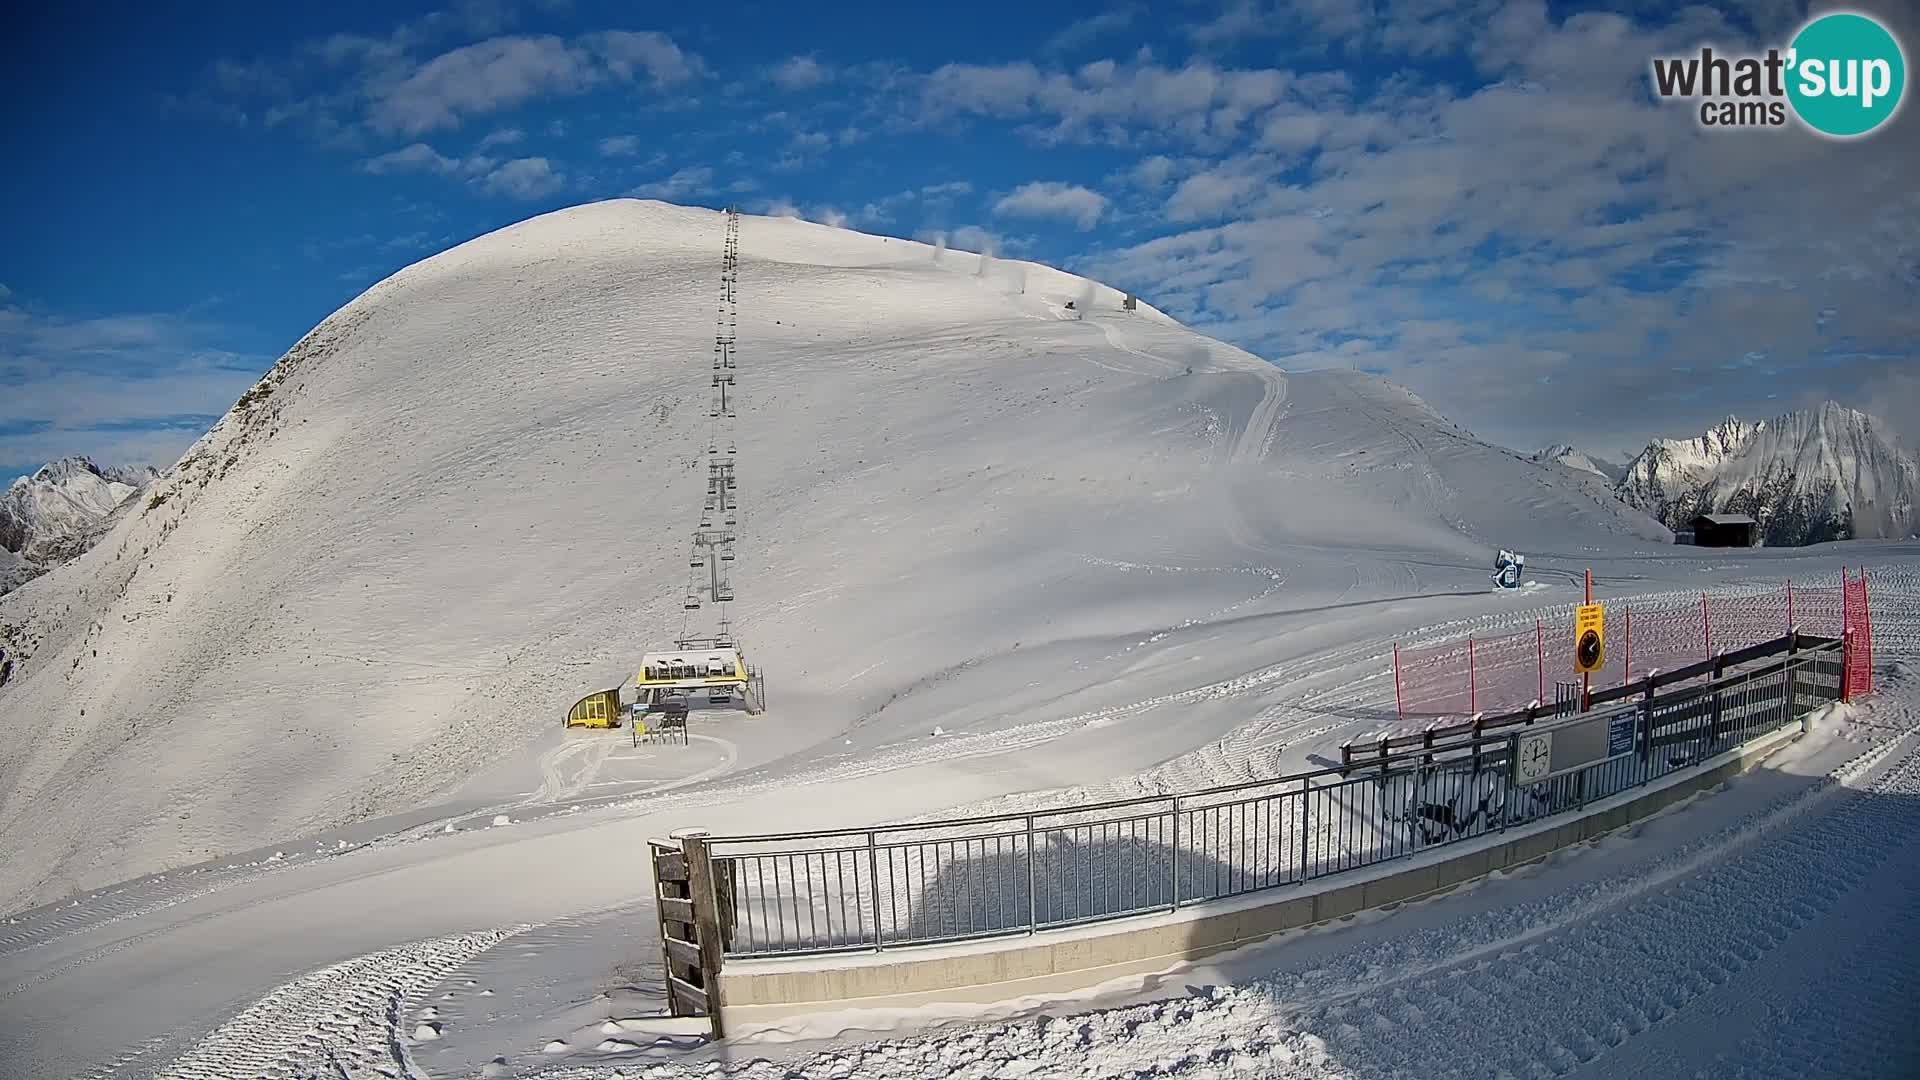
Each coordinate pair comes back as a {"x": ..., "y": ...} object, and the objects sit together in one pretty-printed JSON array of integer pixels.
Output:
[{"x": 715, "y": 537}]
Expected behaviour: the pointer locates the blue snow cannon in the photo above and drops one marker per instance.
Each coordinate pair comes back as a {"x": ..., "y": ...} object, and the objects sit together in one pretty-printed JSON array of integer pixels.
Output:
[{"x": 1506, "y": 570}]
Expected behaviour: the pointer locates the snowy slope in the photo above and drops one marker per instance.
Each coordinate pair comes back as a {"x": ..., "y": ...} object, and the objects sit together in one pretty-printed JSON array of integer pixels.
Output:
[
  {"x": 59, "y": 511},
  {"x": 1581, "y": 462},
  {"x": 462, "y": 501},
  {"x": 1814, "y": 475}
]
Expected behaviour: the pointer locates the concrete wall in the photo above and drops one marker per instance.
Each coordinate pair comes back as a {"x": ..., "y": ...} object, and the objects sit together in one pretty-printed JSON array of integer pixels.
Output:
[{"x": 1059, "y": 961}]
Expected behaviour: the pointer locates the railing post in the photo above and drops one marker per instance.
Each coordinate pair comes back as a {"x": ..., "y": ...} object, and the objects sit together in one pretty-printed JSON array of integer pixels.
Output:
[
  {"x": 1646, "y": 708},
  {"x": 1033, "y": 904},
  {"x": 873, "y": 886},
  {"x": 1306, "y": 789},
  {"x": 1176, "y": 853}
]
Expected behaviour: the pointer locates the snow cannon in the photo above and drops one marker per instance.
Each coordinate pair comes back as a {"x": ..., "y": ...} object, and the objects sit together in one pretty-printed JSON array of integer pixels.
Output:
[{"x": 1506, "y": 569}]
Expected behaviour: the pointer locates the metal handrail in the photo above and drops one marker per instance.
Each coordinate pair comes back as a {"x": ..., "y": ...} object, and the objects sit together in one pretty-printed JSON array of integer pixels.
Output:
[
  {"x": 1369, "y": 763},
  {"x": 921, "y": 883}
]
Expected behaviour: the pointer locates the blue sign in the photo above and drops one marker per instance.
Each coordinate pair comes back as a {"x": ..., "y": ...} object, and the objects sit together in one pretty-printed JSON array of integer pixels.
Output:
[{"x": 1620, "y": 734}]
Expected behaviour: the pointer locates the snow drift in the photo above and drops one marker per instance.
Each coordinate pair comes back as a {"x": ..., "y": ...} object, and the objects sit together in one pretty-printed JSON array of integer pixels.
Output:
[{"x": 462, "y": 501}]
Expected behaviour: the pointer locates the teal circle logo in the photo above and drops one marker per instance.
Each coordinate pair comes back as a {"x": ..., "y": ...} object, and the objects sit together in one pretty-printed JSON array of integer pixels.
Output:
[{"x": 1846, "y": 75}]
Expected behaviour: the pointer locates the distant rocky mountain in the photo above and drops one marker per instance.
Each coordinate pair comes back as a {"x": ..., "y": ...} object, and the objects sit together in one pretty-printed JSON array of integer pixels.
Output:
[
  {"x": 1826, "y": 473},
  {"x": 1581, "y": 462},
  {"x": 59, "y": 511}
]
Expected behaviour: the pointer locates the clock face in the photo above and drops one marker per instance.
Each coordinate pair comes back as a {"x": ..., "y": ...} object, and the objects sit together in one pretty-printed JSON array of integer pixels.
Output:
[{"x": 1533, "y": 757}]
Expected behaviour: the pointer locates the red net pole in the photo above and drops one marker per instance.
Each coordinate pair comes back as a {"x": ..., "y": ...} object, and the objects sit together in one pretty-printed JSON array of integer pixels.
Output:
[
  {"x": 1706, "y": 626},
  {"x": 1846, "y": 636},
  {"x": 1866, "y": 645},
  {"x": 1789, "y": 605},
  {"x": 1626, "y": 674},
  {"x": 1473, "y": 693},
  {"x": 1399, "y": 709},
  {"x": 1540, "y": 657}
]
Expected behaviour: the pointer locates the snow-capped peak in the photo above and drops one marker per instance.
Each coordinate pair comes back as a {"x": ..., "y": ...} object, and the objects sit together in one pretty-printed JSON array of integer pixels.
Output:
[
  {"x": 59, "y": 511},
  {"x": 1579, "y": 461},
  {"x": 1824, "y": 473}
]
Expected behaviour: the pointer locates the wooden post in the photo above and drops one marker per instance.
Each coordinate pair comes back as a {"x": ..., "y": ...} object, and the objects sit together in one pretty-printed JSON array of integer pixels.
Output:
[{"x": 693, "y": 844}]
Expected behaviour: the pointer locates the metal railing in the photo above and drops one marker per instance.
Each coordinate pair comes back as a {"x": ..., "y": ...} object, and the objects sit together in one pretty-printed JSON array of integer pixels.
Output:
[{"x": 918, "y": 884}]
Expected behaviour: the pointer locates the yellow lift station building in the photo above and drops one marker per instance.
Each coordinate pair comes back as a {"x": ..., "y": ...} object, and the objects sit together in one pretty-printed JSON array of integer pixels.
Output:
[{"x": 599, "y": 709}]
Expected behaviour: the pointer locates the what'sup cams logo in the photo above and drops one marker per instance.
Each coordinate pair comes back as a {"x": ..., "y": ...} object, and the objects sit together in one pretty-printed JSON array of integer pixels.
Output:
[{"x": 1843, "y": 76}]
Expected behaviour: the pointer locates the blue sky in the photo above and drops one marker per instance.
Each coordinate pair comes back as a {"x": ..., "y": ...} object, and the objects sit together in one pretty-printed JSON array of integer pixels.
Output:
[{"x": 1477, "y": 198}]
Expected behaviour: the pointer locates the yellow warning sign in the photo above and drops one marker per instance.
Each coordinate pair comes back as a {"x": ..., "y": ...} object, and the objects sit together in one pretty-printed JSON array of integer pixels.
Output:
[{"x": 1589, "y": 637}]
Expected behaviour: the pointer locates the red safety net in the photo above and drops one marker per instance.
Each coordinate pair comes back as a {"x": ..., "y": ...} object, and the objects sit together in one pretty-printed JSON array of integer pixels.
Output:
[
  {"x": 1502, "y": 673},
  {"x": 1858, "y": 618}
]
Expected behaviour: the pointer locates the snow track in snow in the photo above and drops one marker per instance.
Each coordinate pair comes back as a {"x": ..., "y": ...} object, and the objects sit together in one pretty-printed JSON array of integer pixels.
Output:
[{"x": 342, "y": 1020}]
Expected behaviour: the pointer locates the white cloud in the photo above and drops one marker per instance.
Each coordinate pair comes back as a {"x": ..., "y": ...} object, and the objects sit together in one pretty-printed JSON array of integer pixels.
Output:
[
  {"x": 800, "y": 73},
  {"x": 408, "y": 98},
  {"x": 1083, "y": 32},
  {"x": 414, "y": 157},
  {"x": 620, "y": 146},
  {"x": 523, "y": 178},
  {"x": 1209, "y": 194},
  {"x": 134, "y": 388},
  {"x": 1121, "y": 104},
  {"x": 480, "y": 78},
  {"x": 975, "y": 238},
  {"x": 502, "y": 137},
  {"x": 1052, "y": 199},
  {"x": 693, "y": 180},
  {"x": 628, "y": 53}
]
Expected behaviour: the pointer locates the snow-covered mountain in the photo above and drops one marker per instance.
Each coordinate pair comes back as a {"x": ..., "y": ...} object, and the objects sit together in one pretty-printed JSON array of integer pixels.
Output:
[
  {"x": 1582, "y": 462},
  {"x": 464, "y": 499},
  {"x": 1826, "y": 473},
  {"x": 59, "y": 511}
]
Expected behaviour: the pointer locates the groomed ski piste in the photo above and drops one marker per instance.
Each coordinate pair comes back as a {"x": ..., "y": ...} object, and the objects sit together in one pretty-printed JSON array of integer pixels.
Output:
[{"x": 996, "y": 554}]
